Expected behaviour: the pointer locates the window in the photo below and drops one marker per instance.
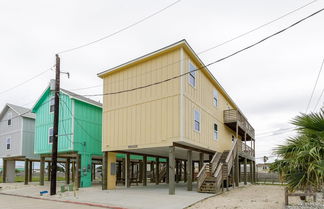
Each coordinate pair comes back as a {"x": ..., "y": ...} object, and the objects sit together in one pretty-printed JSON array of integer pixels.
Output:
[
  {"x": 8, "y": 143},
  {"x": 50, "y": 135},
  {"x": 215, "y": 94},
  {"x": 9, "y": 118},
  {"x": 215, "y": 131},
  {"x": 192, "y": 74},
  {"x": 52, "y": 102},
  {"x": 196, "y": 120}
]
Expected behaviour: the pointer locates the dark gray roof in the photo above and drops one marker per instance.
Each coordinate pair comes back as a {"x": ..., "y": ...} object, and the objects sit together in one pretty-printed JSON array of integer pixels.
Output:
[
  {"x": 21, "y": 111},
  {"x": 81, "y": 98}
]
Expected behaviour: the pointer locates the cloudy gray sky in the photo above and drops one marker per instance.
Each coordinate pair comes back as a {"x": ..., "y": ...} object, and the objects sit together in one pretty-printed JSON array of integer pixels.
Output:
[{"x": 271, "y": 83}]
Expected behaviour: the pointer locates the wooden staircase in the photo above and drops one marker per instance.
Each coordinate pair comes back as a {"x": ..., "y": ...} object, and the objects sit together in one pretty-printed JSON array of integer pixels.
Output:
[{"x": 213, "y": 174}]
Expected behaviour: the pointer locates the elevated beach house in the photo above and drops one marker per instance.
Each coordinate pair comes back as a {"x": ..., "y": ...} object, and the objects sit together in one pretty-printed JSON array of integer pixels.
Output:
[
  {"x": 167, "y": 104},
  {"x": 79, "y": 134},
  {"x": 17, "y": 127}
]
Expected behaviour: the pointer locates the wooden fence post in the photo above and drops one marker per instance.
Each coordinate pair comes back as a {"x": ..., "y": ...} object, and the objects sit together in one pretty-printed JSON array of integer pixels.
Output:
[{"x": 286, "y": 196}]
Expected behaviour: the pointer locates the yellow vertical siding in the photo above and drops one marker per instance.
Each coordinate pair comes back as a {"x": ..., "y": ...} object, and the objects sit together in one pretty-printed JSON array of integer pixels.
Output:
[
  {"x": 145, "y": 117},
  {"x": 200, "y": 98}
]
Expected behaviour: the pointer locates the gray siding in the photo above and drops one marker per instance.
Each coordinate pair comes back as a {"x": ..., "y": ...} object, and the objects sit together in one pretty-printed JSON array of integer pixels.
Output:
[
  {"x": 14, "y": 132},
  {"x": 28, "y": 138}
]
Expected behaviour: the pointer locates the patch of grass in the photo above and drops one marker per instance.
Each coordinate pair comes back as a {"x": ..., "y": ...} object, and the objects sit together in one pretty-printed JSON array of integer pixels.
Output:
[{"x": 35, "y": 179}]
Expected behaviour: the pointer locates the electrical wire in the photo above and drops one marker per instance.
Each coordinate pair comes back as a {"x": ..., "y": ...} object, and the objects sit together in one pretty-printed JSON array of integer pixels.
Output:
[
  {"x": 319, "y": 99},
  {"x": 259, "y": 27},
  {"x": 212, "y": 63},
  {"x": 310, "y": 99},
  {"x": 120, "y": 30},
  {"x": 26, "y": 81}
]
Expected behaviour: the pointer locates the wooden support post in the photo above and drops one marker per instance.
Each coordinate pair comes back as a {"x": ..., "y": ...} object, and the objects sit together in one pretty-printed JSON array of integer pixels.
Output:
[
  {"x": 245, "y": 173},
  {"x": 73, "y": 171},
  {"x": 233, "y": 174},
  {"x": 67, "y": 172},
  {"x": 171, "y": 170},
  {"x": 124, "y": 171},
  {"x": 189, "y": 170},
  {"x": 157, "y": 181},
  {"x": 119, "y": 174},
  {"x": 26, "y": 172},
  {"x": 77, "y": 170},
  {"x": 128, "y": 171},
  {"x": 42, "y": 171},
  {"x": 49, "y": 170},
  {"x": 4, "y": 171},
  {"x": 177, "y": 171},
  {"x": 180, "y": 170},
  {"x": 167, "y": 171},
  {"x": 201, "y": 160},
  {"x": 144, "y": 170},
  {"x": 185, "y": 171},
  {"x": 30, "y": 171},
  {"x": 251, "y": 172},
  {"x": 104, "y": 171},
  {"x": 193, "y": 171},
  {"x": 152, "y": 172},
  {"x": 286, "y": 196},
  {"x": 237, "y": 171}
]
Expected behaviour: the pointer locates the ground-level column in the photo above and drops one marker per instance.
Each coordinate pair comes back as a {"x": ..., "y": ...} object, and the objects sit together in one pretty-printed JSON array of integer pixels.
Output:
[
  {"x": 67, "y": 171},
  {"x": 167, "y": 171},
  {"x": 201, "y": 160},
  {"x": 157, "y": 176},
  {"x": 245, "y": 174},
  {"x": 30, "y": 171},
  {"x": 4, "y": 171},
  {"x": 42, "y": 171},
  {"x": 111, "y": 171},
  {"x": 237, "y": 170},
  {"x": 128, "y": 171},
  {"x": 251, "y": 172},
  {"x": 104, "y": 170},
  {"x": 144, "y": 170},
  {"x": 49, "y": 171},
  {"x": 185, "y": 171},
  {"x": 78, "y": 170},
  {"x": 171, "y": 170},
  {"x": 73, "y": 171},
  {"x": 189, "y": 170},
  {"x": 26, "y": 172}
]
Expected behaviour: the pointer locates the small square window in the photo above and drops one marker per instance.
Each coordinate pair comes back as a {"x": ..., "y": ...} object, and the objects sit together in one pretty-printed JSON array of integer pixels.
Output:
[
  {"x": 192, "y": 74},
  {"x": 9, "y": 119},
  {"x": 197, "y": 120},
  {"x": 8, "y": 143},
  {"x": 50, "y": 135},
  {"x": 52, "y": 103},
  {"x": 215, "y": 94},
  {"x": 215, "y": 131}
]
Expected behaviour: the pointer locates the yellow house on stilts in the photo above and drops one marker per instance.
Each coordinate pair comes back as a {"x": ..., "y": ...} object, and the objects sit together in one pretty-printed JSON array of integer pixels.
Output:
[{"x": 189, "y": 121}]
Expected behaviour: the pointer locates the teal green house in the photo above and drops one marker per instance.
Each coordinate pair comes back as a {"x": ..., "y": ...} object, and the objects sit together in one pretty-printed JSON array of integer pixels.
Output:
[{"x": 79, "y": 134}]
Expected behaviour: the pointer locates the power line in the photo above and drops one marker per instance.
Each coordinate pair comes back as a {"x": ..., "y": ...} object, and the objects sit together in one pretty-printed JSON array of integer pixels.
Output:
[
  {"x": 212, "y": 63},
  {"x": 278, "y": 130},
  {"x": 310, "y": 99},
  {"x": 89, "y": 87},
  {"x": 259, "y": 27},
  {"x": 120, "y": 30},
  {"x": 26, "y": 81},
  {"x": 319, "y": 99}
]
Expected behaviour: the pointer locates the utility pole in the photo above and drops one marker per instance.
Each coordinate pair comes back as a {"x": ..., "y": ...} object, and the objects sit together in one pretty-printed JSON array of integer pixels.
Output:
[{"x": 55, "y": 126}]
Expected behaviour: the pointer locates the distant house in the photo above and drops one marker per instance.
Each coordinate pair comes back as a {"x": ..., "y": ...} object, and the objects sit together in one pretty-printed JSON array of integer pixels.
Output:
[
  {"x": 17, "y": 128},
  {"x": 79, "y": 134},
  {"x": 263, "y": 167}
]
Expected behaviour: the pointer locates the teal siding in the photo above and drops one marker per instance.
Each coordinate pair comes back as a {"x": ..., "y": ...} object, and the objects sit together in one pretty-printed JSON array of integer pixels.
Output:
[
  {"x": 44, "y": 121},
  {"x": 87, "y": 128}
]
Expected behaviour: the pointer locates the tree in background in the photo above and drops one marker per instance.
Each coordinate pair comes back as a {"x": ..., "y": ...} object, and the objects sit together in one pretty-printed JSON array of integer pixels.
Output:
[{"x": 301, "y": 161}]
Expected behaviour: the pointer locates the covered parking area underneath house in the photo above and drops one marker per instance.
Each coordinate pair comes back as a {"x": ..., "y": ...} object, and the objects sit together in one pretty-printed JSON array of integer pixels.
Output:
[{"x": 179, "y": 163}]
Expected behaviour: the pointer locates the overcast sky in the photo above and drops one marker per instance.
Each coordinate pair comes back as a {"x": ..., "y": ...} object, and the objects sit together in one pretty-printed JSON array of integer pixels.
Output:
[{"x": 271, "y": 83}]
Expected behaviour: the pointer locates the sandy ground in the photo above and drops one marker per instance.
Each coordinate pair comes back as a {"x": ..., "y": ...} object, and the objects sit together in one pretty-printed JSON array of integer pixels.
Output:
[{"x": 249, "y": 197}]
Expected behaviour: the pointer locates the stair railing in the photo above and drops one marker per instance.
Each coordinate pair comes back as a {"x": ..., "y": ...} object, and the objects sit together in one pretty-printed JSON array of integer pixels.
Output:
[
  {"x": 219, "y": 175},
  {"x": 214, "y": 162},
  {"x": 202, "y": 175},
  {"x": 231, "y": 156}
]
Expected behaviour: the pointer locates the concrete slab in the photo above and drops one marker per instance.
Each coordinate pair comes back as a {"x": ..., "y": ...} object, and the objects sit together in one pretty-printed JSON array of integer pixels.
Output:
[{"x": 136, "y": 197}]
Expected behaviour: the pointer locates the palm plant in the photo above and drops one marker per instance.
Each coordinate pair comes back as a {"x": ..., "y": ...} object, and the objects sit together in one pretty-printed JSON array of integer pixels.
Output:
[{"x": 301, "y": 161}]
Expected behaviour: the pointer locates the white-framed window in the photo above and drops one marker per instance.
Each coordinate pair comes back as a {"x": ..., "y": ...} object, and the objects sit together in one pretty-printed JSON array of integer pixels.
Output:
[
  {"x": 215, "y": 96},
  {"x": 192, "y": 75},
  {"x": 215, "y": 131},
  {"x": 52, "y": 103},
  {"x": 9, "y": 121},
  {"x": 50, "y": 135},
  {"x": 8, "y": 143},
  {"x": 196, "y": 120}
]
